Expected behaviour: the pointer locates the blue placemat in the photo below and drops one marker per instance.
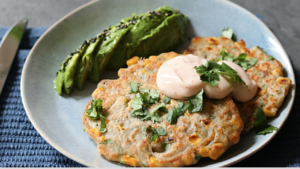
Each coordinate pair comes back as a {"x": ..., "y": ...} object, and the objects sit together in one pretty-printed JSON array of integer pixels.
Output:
[
  {"x": 22, "y": 146},
  {"x": 20, "y": 143}
]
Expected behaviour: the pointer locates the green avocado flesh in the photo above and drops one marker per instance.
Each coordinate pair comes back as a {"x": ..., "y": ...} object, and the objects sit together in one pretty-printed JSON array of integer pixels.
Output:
[{"x": 142, "y": 35}]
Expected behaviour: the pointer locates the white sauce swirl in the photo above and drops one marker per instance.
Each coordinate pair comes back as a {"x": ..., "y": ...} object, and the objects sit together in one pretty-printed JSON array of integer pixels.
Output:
[{"x": 178, "y": 79}]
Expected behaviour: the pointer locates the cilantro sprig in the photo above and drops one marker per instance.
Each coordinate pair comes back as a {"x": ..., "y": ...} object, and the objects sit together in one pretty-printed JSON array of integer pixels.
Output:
[
  {"x": 195, "y": 103},
  {"x": 241, "y": 60},
  {"x": 95, "y": 112},
  {"x": 142, "y": 98},
  {"x": 175, "y": 112},
  {"x": 210, "y": 73},
  {"x": 154, "y": 134},
  {"x": 228, "y": 33},
  {"x": 261, "y": 124}
]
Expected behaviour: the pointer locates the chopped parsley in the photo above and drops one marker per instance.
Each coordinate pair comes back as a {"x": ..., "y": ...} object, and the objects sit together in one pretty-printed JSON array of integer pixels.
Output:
[
  {"x": 108, "y": 141},
  {"x": 261, "y": 125},
  {"x": 210, "y": 73},
  {"x": 195, "y": 102},
  {"x": 95, "y": 112},
  {"x": 154, "y": 134},
  {"x": 144, "y": 165},
  {"x": 166, "y": 100},
  {"x": 241, "y": 60},
  {"x": 228, "y": 33},
  {"x": 175, "y": 112}
]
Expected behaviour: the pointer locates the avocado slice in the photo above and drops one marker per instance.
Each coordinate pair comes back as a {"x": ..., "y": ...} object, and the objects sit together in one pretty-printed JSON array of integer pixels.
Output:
[
  {"x": 156, "y": 32},
  {"x": 70, "y": 69},
  {"x": 85, "y": 64},
  {"x": 147, "y": 34},
  {"x": 65, "y": 75}
]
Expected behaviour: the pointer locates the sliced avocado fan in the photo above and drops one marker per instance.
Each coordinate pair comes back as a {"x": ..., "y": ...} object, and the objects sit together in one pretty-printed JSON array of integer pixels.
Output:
[{"x": 142, "y": 35}]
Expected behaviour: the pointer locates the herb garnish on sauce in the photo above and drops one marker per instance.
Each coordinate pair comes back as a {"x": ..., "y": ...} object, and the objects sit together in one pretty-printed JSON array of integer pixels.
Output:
[
  {"x": 241, "y": 60},
  {"x": 210, "y": 73}
]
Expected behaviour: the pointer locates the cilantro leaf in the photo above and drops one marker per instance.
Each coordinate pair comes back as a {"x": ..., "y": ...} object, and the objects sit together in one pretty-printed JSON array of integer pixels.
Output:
[
  {"x": 210, "y": 73},
  {"x": 96, "y": 106},
  {"x": 154, "y": 96},
  {"x": 161, "y": 131},
  {"x": 154, "y": 134},
  {"x": 270, "y": 58},
  {"x": 166, "y": 146},
  {"x": 175, "y": 112},
  {"x": 212, "y": 117},
  {"x": 260, "y": 124},
  {"x": 153, "y": 138},
  {"x": 154, "y": 112},
  {"x": 144, "y": 165},
  {"x": 214, "y": 101},
  {"x": 122, "y": 162},
  {"x": 95, "y": 112},
  {"x": 137, "y": 102},
  {"x": 160, "y": 107},
  {"x": 241, "y": 60},
  {"x": 197, "y": 157},
  {"x": 103, "y": 124},
  {"x": 107, "y": 141},
  {"x": 196, "y": 102},
  {"x": 154, "y": 117},
  {"x": 260, "y": 119},
  {"x": 134, "y": 87},
  {"x": 172, "y": 115},
  {"x": 269, "y": 129},
  {"x": 166, "y": 100},
  {"x": 228, "y": 33},
  {"x": 144, "y": 90}
]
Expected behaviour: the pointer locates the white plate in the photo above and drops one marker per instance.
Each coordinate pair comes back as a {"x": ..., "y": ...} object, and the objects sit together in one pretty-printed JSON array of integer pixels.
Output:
[{"x": 58, "y": 118}]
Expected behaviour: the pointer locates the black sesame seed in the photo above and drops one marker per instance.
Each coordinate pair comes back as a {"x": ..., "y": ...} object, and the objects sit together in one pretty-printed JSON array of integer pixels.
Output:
[{"x": 170, "y": 139}]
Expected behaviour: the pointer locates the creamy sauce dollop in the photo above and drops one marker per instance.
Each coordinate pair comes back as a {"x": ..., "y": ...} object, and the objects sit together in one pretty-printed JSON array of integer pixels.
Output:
[{"x": 177, "y": 78}]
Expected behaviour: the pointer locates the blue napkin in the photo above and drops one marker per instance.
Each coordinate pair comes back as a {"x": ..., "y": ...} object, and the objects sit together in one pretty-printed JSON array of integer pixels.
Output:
[{"x": 22, "y": 146}]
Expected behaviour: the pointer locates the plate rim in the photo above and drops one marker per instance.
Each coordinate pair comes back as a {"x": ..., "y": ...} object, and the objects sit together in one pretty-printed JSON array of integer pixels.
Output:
[{"x": 69, "y": 155}]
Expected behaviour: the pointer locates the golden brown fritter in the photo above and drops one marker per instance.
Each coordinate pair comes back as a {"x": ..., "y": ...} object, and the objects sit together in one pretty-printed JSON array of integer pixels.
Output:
[
  {"x": 273, "y": 87},
  {"x": 208, "y": 133}
]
